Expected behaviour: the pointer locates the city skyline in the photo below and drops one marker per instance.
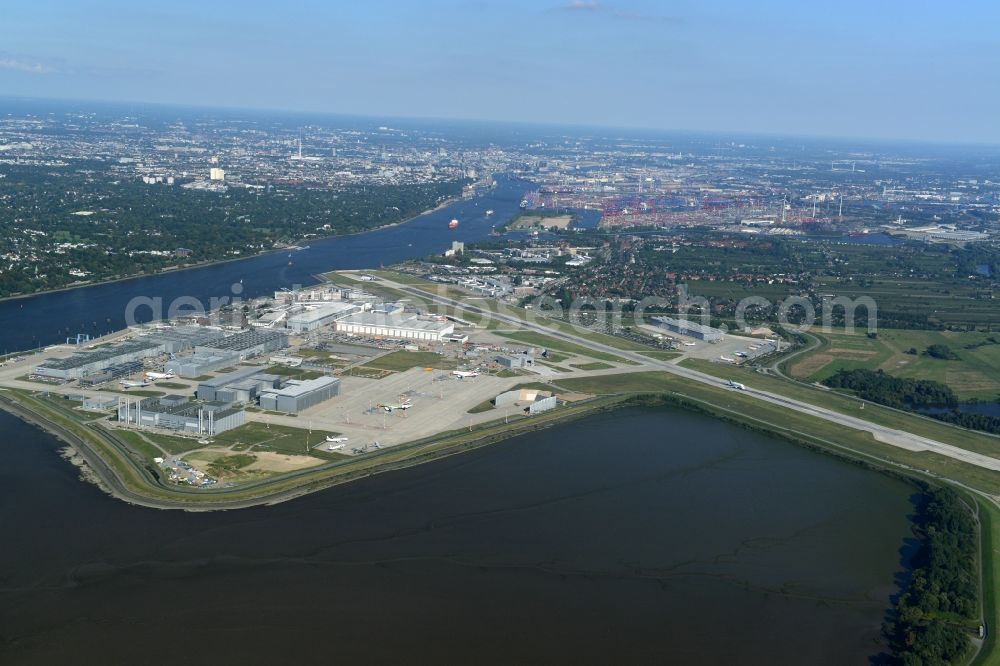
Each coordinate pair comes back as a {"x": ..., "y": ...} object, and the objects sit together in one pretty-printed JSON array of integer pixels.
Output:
[{"x": 774, "y": 69}]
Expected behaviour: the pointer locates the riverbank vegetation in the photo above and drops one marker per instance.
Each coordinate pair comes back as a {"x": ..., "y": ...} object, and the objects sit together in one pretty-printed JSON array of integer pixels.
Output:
[{"x": 938, "y": 612}]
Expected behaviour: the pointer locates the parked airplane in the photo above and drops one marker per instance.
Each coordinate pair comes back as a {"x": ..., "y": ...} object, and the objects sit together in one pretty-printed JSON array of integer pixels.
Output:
[
  {"x": 463, "y": 374},
  {"x": 727, "y": 359},
  {"x": 334, "y": 447},
  {"x": 741, "y": 354},
  {"x": 335, "y": 440},
  {"x": 127, "y": 383},
  {"x": 153, "y": 376},
  {"x": 736, "y": 385},
  {"x": 400, "y": 405},
  {"x": 688, "y": 344}
]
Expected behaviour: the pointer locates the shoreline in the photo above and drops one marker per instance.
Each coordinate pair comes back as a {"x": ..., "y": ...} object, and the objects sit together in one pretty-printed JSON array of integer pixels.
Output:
[{"x": 218, "y": 262}]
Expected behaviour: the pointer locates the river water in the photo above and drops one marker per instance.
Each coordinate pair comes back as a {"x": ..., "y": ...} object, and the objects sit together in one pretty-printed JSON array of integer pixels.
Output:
[{"x": 641, "y": 536}]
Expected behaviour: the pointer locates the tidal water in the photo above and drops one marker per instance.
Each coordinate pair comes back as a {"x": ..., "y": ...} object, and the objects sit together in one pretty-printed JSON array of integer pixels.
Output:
[
  {"x": 640, "y": 536},
  {"x": 49, "y": 318}
]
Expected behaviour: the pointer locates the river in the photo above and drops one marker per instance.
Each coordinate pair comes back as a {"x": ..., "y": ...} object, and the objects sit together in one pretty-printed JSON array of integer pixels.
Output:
[
  {"x": 52, "y": 317},
  {"x": 641, "y": 536}
]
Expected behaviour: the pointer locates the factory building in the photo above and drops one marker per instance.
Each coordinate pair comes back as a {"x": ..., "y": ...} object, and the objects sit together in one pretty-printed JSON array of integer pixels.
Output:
[
  {"x": 243, "y": 385},
  {"x": 100, "y": 402},
  {"x": 688, "y": 328},
  {"x": 313, "y": 318},
  {"x": 247, "y": 344},
  {"x": 298, "y": 395},
  {"x": 92, "y": 362},
  {"x": 116, "y": 371},
  {"x": 200, "y": 364},
  {"x": 407, "y": 327},
  {"x": 533, "y": 400},
  {"x": 514, "y": 361},
  {"x": 180, "y": 338},
  {"x": 190, "y": 417}
]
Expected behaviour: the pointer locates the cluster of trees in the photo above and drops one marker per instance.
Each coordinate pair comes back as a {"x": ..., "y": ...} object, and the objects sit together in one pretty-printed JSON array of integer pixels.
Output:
[
  {"x": 971, "y": 420},
  {"x": 930, "y": 623},
  {"x": 942, "y": 352},
  {"x": 898, "y": 392}
]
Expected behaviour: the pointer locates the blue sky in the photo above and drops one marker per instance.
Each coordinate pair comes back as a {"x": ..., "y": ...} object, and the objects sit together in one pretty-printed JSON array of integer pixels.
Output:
[{"x": 877, "y": 68}]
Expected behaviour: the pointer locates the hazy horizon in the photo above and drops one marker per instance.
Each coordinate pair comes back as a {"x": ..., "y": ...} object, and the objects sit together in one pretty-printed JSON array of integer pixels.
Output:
[{"x": 912, "y": 72}]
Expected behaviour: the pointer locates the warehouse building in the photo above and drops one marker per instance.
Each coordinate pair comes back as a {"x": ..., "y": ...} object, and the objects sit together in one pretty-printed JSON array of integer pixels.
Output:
[
  {"x": 100, "y": 402},
  {"x": 247, "y": 344},
  {"x": 194, "y": 418},
  {"x": 92, "y": 362},
  {"x": 401, "y": 326},
  {"x": 199, "y": 364},
  {"x": 241, "y": 385},
  {"x": 116, "y": 371},
  {"x": 298, "y": 395},
  {"x": 515, "y": 361},
  {"x": 688, "y": 328},
  {"x": 313, "y": 318},
  {"x": 180, "y": 338}
]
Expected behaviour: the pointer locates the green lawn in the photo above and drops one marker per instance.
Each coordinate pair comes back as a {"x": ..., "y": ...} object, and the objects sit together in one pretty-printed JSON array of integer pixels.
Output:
[
  {"x": 404, "y": 360},
  {"x": 294, "y": 373},
  {"x": 278, "y": 438},
  {"x": 975, "y": 374},
  {"x": 541, "y": 340},
  {"x": 596, "y": 365}
]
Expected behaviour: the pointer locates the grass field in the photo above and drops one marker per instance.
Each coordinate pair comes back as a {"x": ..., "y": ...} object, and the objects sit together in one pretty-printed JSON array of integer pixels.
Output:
[
  {"x": 596, "y": 365},
  {"x": 293, "y": 373},
  {"x": 281, "y": 439},
  {"x": 399, "y": 361},
  {"x": 168, "y": 443},
  {"x": 542, "y": 340},
  {"x": 974, "y": 374}
]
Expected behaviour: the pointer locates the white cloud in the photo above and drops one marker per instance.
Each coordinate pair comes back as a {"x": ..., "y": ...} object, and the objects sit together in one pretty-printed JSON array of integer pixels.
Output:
[{"x": 15, "y": 65}]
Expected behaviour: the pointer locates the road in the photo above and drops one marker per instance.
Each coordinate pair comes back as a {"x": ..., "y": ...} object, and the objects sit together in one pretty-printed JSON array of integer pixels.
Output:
[{"x": 898, "y": 438}]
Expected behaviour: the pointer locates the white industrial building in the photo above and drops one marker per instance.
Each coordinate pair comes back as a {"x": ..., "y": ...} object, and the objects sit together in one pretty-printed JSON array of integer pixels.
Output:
[
  {"x": 688, "y": 328},
  {"x": 315, "y": 317},
  {"x": 402, "y": 326}
]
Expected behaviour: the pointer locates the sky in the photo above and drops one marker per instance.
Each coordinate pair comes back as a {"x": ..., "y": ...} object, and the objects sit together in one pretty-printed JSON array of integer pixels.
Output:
[{"x": 915, "y": 69}]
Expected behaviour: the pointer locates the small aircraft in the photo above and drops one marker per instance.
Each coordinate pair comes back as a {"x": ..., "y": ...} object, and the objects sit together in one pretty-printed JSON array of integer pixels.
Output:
[
  {"x": 334, "y": 447},
  {"x": 399, "y": 405},
  {"x": 736, "y": 385},
  {"x": 464, "y": 374},
  {"x": 127, "y": 383},
  {"x": 153, "y": 376},
  {"x": 741, "y": 354},
  {"x": 688, "y": 344},
  {"x": 335, "y": 440},
  {"x": 727, "y": 359}
]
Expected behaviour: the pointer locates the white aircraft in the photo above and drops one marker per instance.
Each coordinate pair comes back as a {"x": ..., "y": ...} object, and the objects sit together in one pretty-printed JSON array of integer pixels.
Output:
[
  {"x": 464, "y": 374},
  {"x": 334, "y": 447},
  {"x": 335, "y": 440},
  {"x": 127, "y": 383},
  {"x": 688, "y": 344},
  {"x": 400, "y": 405},
  {"x": 727, "y": 359},
  {"x": 741, "y": 354},
  {"x": 736, "y": 385},
  {"x": 153, "y": 376}
]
